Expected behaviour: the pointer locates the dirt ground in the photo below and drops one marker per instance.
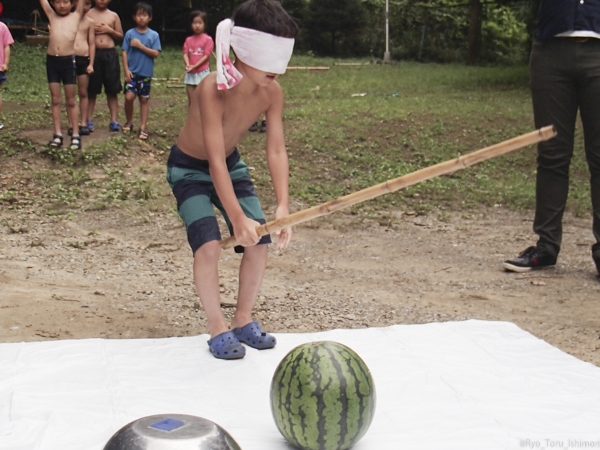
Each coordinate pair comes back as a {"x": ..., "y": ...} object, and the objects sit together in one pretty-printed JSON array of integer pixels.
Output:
[
  {"x": 106, "y": 274},
  {"x": 116, "y": 274}
]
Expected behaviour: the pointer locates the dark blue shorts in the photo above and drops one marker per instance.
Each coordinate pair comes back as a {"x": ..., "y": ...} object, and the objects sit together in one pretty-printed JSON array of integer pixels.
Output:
[
  {"x": 107, "y": 72},
  {"x": 2, "y": 77},
  {"x": 139, "y": 85},
  {"x": 197, "y": 198},
  {"x": 81, "y": 65},
  {"x": 61, "y": 69}
]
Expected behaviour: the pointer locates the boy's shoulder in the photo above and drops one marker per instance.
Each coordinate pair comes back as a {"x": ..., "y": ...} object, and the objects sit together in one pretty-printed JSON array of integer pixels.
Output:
[
  {"x": 102, "y": 12},
  {"x": 87, "y": 21},
  {"x": 149, "y": 31}
]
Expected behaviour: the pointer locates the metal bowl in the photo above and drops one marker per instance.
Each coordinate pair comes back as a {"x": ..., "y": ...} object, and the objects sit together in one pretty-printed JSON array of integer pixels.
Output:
[{"x": 171, "y": 432}]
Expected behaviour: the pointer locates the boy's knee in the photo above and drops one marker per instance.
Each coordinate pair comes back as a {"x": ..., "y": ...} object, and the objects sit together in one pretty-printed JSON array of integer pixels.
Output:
[
  {"x": 71, "y": 102},
  {"x": 208, "y": 251},
  {"x": 259, "y": 250}
]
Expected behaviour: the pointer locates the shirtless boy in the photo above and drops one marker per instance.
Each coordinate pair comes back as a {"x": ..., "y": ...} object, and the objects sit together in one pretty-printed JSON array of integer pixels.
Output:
[
  {"x": 60, "y": 65},
  {"x": 107, "y": 70},
  {"x": 205, "y": 169},
  {"x": 85, "y": 52}
]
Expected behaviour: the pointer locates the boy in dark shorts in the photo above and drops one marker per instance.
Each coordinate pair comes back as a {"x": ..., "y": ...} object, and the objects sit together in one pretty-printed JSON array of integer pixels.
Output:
[
  {"x": 60, "y": 65},
  {"x": 85, "y": 52},
  {"x": 205, "y": 169},
  {"x": 107, "y": 69},
  {"x": 141, "y": 46}
]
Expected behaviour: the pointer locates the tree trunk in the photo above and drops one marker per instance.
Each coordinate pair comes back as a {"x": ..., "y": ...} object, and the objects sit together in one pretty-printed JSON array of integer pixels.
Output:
[{"x": 474, "y": 31}]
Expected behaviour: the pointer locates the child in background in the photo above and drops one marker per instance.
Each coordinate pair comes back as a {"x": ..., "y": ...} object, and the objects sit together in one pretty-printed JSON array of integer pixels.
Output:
[
  {"x": 6, "y": 40},
  {"x": 205, "y": 168},
  {"x": 196, "y": 53},
  {"x": 85, "y": 52},
  {"x": 141, "y": 46},
  {"x": 107, "y": 70},
  {"x": 60, "y": 65}
]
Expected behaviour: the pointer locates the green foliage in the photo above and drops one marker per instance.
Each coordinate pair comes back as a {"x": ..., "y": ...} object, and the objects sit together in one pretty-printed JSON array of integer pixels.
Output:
[
  {"x": 438, "y": 31},
  {"x": 407, "y": 116},
  {"x": 505, "y": 36},
  {"x": 27, "y": 75},
  {"x": 333, "y": 27}
]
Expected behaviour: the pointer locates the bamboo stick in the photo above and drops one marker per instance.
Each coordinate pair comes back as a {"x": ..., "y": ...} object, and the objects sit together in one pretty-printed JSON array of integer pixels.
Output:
[
  {"x": 444, "y": 168},
  {"x": 307, "y": 68}
]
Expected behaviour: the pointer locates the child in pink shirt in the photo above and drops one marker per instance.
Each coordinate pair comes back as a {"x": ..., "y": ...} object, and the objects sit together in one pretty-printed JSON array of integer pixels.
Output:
[
  {"x": 196, "y": 53},
  {"x": 6, "y": 40}
]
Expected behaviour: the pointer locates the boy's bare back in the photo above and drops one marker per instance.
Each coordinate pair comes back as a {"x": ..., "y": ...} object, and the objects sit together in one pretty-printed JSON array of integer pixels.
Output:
[
  {"x": 107, "y": 23},
  {"x": 239, "y": 109}
]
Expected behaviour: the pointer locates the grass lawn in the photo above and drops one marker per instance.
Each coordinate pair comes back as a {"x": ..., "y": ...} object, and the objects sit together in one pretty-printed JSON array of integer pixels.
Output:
[{"x": 406, "y": 116}]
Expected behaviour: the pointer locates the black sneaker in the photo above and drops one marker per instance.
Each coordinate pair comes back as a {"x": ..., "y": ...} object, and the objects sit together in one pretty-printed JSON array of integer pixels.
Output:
[
  {"x": 532, "y": 258},
  {"x": 263, "y": 126},
  {"x": 253, "y": 128}
]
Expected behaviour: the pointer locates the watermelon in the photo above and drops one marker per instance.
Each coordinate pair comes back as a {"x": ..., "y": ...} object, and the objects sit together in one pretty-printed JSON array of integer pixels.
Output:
[{"x": 322, "y": 396}]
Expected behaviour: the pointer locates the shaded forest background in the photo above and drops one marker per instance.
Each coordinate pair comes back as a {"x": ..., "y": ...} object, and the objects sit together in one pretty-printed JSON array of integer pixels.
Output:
[{"x": 472, "y": 31}]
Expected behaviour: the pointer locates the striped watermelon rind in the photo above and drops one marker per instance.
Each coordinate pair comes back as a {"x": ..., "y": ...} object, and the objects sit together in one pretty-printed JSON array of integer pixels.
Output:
[{"x": 322, "y": 396}]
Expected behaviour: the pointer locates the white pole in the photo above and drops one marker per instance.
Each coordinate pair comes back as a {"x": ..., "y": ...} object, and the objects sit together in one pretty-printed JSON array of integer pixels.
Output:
[{"x": 386, "y": 55}]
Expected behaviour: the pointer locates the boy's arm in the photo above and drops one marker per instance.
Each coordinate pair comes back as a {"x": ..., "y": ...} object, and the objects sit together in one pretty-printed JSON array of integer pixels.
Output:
[
  {"x": 151, "y": 52},
  {"x": 79, "y": 7},
  {"x": 47, "y": 9},
  {"x": 92, "y": 47},
  {"x": 277, "y": 160},
  {"x": 212, "y": 111},
  {"x": 126, "y": 71},
  {"x": 117, "y": 32}
]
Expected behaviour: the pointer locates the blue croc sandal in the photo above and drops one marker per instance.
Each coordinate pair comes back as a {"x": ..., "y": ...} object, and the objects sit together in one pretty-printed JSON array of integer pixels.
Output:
[
  {"x": 226, "y": 346},
  {"x": 254, "y": 336}
]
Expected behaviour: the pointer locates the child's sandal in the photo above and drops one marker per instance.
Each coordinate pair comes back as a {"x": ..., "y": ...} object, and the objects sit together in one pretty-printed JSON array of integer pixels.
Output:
[
  {"x": 75, "y": 143},
  {"x": 57, "y": 141},
  {"x": 253, "y": 335},
  {"x": 226, "y": 346},
  {"x": 128, "y": 127},
  {"x": 143, "y": 134}
]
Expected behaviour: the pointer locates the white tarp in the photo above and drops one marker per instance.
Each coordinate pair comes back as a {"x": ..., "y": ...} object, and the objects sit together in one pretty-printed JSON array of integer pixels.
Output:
[{"x": 458, "y": 385}]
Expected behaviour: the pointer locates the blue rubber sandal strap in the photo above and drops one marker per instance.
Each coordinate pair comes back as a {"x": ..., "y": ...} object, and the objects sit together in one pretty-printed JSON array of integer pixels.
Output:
[
  {"x": 226, "y": 346},
  {"x": 254, "y": 336}
]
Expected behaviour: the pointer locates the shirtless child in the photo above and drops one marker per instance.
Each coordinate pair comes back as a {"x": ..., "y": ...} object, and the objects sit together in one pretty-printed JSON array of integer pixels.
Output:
[
  {"x": 85, "y": 52},
  {"x": 205, "y": 168},
  {"x": 60, "y": 65},
  {"x": 107, "y": 69}
]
